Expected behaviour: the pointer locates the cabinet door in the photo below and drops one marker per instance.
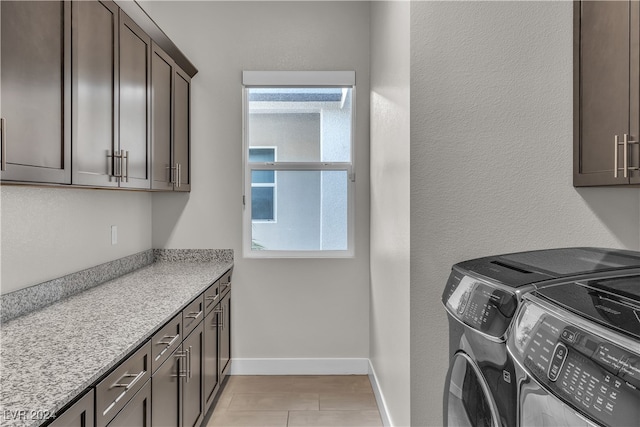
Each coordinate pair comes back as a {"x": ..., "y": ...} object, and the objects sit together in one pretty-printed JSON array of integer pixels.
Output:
[
  {"x": 181, "y": 148},
  {"x": 35, "y": 90},
  {"x": 192, "y": 391},
  {"x": 78, "y": 415},
  {"x": 166, "y": 387},
  {"x": 161, "y": 119},
  {"x": 225, "y": 335},
  {"x": 135, "y": 103},
  {"x": 136, "y": 413},
  {"x": 210, "y": 368},
  {"x": 95, "y": 98},
  {"x": 601, "y": 90}
]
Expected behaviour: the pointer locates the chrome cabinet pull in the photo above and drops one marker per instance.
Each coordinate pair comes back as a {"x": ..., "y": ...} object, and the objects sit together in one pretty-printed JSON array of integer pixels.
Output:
[
  {"x": 212, "y": 298},
  {"x": 179, "y": 172},
  {"x": 193, "y": 315},
  {"x": 168, "y": 345},
  {"x": 3, "y": 144},
  {"x": 188, "y": 376},
  {"x": 625, "y": 156},
  {"x": 171, "y": 174},
  {"x": 180, "y": 355},
  {"x": 616, "y": 143},
  {"x": 125, "y": 157},
  {"x": 127, "y": 387}
]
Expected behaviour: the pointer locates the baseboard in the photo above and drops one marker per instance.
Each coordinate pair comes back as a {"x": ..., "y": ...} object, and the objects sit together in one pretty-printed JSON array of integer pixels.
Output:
[
  {"x": 300, "y": 366},
  {"x": 382, "y": 405}
]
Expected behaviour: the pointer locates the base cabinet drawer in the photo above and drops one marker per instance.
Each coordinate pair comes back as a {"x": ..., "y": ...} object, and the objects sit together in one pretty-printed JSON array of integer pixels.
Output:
[
  {"x": 80, "y": 414},
  {"x": 113, "y": 393},
  {"x": 136, "y": 413}
]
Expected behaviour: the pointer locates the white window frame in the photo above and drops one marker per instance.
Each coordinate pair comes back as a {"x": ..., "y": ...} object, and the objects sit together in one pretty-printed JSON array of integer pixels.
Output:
[
  {"x": 260, "y": 79},
  {"x": 273, "y": 185}
]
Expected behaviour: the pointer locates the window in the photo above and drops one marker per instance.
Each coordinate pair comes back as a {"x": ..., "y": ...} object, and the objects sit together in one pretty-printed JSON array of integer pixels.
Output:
[
  {"x": 263, "y": 186},
  {"x": 298, "y": 164}
]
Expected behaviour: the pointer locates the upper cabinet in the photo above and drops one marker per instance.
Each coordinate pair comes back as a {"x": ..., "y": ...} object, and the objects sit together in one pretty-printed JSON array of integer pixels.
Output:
[
  {"x": 171, "y": 100},
  {"x": 77, "y": 102},
  {"x": 606, "y": 93},
  {"x": 35, "y": 91},
  {"x": 111, "y": 93}
]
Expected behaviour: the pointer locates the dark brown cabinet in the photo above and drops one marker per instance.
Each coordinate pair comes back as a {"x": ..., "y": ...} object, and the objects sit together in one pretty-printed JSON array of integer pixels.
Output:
[
  {"x": 80, "y": 414},
  {"x": 35, "y": 91},
  {"x": 137, "y": 413},
  {"x": 111, "y": 93},
  {"x": 192, "y": 391},
  {"x": 77, "y": 104},
  {"x": 225, "y": 336},
  {"x": 94, "y": 105},
  {"x": 166, "y": 388},
  {"x": 135, "y": 105},
  {"x": 606, "y": 93},
  {"x": 171, "y": 104}
]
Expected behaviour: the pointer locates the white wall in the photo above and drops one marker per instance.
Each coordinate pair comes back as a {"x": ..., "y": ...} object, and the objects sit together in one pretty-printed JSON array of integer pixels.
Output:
[
  {"x": 292, "y": 308},
  {"x": 390, "y": 161},
  {"x": 51, "y": 232},
  {"x": 491, "y": 158}
]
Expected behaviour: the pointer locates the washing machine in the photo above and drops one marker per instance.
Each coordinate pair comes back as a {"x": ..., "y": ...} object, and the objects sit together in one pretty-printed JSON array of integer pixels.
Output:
[
  {"x": 481, "y": 298},
  {"x": 576, "y": 347}
]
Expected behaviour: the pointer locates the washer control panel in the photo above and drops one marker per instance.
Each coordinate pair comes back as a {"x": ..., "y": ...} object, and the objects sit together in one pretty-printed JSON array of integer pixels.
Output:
[
  {"x": 597, "y": 377},
  {"x": 479, "y": 305}
]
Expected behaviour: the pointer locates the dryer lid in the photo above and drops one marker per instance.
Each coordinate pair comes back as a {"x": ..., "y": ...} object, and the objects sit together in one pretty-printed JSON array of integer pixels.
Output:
[
  {"x": 612, "y": 302},
  {"x": 524, "y": 268}
]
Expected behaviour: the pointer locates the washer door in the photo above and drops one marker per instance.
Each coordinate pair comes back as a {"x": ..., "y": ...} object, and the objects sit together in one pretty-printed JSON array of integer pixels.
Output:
[{"x": 468, "y": 401}]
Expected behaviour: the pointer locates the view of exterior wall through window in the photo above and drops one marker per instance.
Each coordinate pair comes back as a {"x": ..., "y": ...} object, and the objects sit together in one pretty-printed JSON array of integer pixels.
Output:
[{"x": 298, "y": 153}]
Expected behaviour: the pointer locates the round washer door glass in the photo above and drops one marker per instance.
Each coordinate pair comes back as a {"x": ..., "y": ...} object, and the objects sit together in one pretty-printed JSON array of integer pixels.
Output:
[{"x": 468, "y": 402}]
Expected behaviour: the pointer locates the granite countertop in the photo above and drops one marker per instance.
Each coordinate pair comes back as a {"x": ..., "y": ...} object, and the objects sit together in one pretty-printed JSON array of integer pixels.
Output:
[{"x": 50, "y": 356}]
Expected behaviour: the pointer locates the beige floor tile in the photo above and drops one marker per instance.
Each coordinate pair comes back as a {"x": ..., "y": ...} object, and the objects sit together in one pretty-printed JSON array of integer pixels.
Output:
[
  {"x": 248, "y": 419},
  {"x": 347, "y": 401},
  {"x": 274, "y": 402},
  {"x": 331, "y": 384},
  {"x": 334, "y": 419},
  {"x": 261, "y": 383}
]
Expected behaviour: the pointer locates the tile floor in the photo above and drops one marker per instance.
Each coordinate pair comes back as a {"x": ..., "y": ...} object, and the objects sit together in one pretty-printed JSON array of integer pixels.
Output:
[{"x": 296, "y": 401}]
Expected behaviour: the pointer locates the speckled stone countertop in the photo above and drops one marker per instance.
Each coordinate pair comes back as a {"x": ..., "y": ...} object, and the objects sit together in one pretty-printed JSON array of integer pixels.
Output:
[{"x": 50, "y": 356}]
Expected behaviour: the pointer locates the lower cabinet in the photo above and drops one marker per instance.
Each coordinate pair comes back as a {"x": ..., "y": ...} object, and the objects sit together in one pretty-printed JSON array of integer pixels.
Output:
[
  {"x": 167, "y": 382},
  {"x": 80, "y": 414},
  {"x": 192, "y": 391},
  {"x": 166, "y": 389},
  {"x": 225, "y": 336},
  {"x": 211, "y": 368},
  {"x": 136, "y": 413}
]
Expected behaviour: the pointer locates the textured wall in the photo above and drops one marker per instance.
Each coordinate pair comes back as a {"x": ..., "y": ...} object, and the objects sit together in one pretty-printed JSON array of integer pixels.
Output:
[
  {"x": 491, "y": 158},
  {"x": 51, "y": 232},
  {"x": 282, "y": 307},
  {"x": 389, "y": 316}
]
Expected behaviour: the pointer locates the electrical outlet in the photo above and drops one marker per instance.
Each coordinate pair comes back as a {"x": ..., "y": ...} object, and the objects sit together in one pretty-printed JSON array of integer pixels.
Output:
[{"x": 114, "y": 234}]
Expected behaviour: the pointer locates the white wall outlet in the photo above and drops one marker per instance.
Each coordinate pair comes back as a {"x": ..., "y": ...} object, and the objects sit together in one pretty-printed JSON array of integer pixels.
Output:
[{"x": 114, "y": 234}]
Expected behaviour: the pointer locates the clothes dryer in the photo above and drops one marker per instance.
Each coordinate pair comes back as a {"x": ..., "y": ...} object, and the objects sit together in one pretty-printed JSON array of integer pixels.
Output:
[
  {"x": 481, "y": 298},
  {"x": 577, "y": 352}
]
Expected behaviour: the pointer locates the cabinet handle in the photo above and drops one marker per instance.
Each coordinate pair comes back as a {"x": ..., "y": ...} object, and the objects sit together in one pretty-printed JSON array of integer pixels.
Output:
[
  {"x": 221, "y": 312},
  {"x": 193, "y": 315},
  {"x": 626, "y": 144},
  {"x": 125, "y": 157},
  {"x": 171, "y": 169},
  {"x": 127, "y": 387},
  {"x": 616, "y": 143},
  {"x": 212, "y": 298},
  {"x": 179, "y": 355},
  {"x": 188, "y": 363},
  {"x": 179, "y": 171},
  {"x": 168, "y": 345},
  {"x": 3, "y": 144}
]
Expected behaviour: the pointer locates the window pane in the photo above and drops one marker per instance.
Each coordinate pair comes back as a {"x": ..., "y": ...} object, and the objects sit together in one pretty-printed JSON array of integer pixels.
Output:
[
  {"x": 262, "y": 177},
  {"x": 262, "y": 154},
  {"x": 303, "y": 124},
  {"x": 262, "y": 203},
  {"x": 312, "y": 213}
]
